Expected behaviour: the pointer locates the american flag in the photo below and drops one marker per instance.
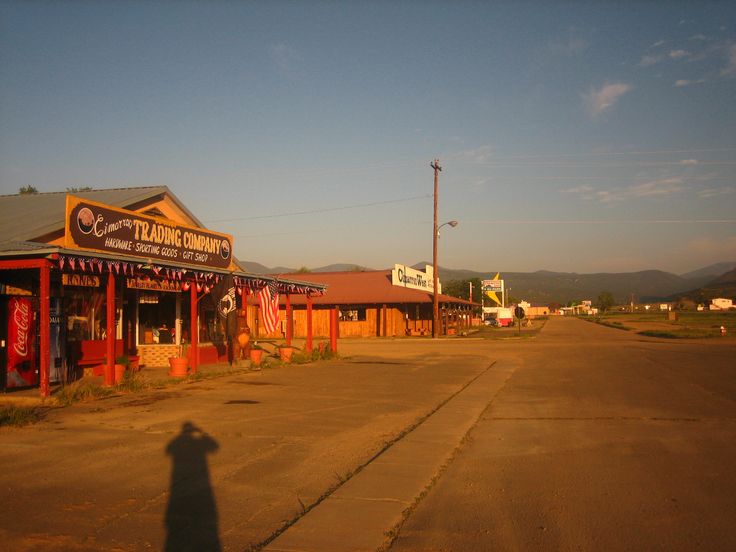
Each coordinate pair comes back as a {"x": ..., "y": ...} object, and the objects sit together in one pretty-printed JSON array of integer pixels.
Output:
[{"x": 269, "y": 299}]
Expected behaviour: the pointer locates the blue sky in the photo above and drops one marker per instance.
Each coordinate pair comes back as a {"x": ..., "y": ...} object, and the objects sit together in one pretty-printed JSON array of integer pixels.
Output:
[{"x": 573, "y": 136}]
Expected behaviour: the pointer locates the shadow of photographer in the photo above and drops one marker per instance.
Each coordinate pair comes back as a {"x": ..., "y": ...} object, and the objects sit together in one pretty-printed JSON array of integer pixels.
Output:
[{"x": 191, "y": 516}]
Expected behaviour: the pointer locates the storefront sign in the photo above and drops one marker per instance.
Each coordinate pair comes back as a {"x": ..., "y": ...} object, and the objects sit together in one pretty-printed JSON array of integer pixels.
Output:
[
  {"x": 408, "y": 277},
  {"x": 154, "y": 285},
  {"x": 14, "y": 290},
  {"x": 81, "y": 280},
  {"x": 21, "y": 343},
  {"x": 492, "y": 285},
  {"x": 99, "y": 227}
]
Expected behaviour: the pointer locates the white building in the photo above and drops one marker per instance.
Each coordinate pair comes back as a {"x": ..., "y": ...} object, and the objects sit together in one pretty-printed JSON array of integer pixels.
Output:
[{"x": 721, "y": 303}]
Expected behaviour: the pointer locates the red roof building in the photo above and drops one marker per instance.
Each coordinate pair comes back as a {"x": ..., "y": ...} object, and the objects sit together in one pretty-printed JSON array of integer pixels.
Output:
[{"x": 369, "y": 305}]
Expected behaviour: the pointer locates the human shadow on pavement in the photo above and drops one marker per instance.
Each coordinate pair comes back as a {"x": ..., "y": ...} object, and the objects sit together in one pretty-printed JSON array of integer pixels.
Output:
[{"x": 191, "y": 516}]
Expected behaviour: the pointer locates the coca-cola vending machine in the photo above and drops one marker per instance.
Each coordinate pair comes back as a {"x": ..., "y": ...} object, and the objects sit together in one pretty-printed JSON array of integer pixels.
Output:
[{"x": 21, "y": 366}]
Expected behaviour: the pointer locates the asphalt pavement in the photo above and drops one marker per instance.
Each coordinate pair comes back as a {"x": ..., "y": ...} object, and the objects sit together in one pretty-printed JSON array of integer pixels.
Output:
[{"x": 584, "y": 438}]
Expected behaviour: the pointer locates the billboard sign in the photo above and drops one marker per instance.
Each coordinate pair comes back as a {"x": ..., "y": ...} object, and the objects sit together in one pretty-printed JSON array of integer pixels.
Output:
[
  {"x": 408, "y": 277},
  {"x": 492, "y": 285},
  {"x": 98, "y": 227}
]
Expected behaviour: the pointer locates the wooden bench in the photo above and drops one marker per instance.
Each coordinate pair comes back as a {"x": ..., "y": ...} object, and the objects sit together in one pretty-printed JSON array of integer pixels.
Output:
[{"x": 92, "y": 353}]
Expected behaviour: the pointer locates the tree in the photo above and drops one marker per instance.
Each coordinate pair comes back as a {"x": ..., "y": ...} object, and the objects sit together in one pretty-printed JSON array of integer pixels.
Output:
[
  {"x": 605, "y": 301},
  {"x": 303, "y": 270},
  {"x": 27, "y": 190},
  {"x": 82, "y": 189}
]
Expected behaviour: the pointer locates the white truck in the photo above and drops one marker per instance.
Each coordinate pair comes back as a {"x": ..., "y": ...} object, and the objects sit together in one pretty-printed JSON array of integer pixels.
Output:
[{"x": 502, "y": 315}]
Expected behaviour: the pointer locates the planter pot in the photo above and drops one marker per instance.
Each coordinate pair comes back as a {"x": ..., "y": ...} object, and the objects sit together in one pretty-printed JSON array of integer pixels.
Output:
[
  {"x": 119, "y": 373},
  {"x": 178, "y": 366},
  {"x": 285, "y": 353},
  {"x": 256, "y": 356}
]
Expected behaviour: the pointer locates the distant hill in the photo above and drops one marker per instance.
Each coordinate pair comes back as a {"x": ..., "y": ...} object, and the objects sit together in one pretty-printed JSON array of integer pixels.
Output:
[
  {"x": 710, "y": 272},
  {"x": 722, "y": 286},
  {"x": 341, "y": 267},
  {"x": 544, "y": 286},
  {"x": 257, "y": 268}
]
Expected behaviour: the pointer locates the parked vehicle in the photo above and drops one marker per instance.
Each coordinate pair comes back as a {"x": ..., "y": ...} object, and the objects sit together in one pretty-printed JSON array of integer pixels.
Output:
[{"x": 505, "y": 317}]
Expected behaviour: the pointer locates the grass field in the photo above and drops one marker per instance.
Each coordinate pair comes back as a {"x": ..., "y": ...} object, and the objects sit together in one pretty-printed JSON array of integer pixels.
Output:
[{"x": 689, "y": 324}]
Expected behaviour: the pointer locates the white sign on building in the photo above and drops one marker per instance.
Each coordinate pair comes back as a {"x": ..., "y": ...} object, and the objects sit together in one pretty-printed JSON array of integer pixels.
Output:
[{"x": 408, "y": 277}]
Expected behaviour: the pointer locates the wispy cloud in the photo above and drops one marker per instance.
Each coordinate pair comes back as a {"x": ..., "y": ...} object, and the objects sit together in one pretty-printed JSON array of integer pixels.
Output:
[
  {"x": 689, "y": 162},
  {"x": 650, "y": 59},
  {"x": 600, "y": 100},
  {"x": 584, "y": 189},
  {"x": 285, "y": 57},
  {"x": 714, "y": 192},
  {"x": 651, "y": 188},
  {"x": 658, "y": 43},
  {"x": 687, "y": 82},
  {"x": 482, "y": 154},
  {"x": 574, "y": 45},
  {"x": 730, "y": 69},
  {"x": 678, "y": 54}
]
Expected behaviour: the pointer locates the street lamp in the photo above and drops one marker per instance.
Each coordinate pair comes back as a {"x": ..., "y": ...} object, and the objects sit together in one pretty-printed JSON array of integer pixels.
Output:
[{"x": 435, "y": 275}]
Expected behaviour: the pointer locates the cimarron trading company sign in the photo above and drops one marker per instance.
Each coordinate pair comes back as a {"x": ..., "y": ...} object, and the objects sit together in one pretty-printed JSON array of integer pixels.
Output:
[{"x": 99, "y": 227}]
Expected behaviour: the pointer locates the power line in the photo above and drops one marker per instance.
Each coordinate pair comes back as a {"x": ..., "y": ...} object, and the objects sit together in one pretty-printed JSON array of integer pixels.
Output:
[
  {"x": 324, "y": 210},
  {"x": 593, "y": 221}
]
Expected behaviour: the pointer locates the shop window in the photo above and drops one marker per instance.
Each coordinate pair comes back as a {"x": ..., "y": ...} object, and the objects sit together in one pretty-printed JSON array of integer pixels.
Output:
[
  {"x": 86, "y": 314},
  {"x": 350, "y": 314},
  {"x": 156, "y": 317},
  {"x": 210, "y": 329}
]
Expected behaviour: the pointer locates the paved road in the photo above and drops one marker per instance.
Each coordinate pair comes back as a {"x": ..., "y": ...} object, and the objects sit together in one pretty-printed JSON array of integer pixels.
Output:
[
  {"x": 225, "y": 462},
  {"x": 583, "y": 438},
  {"x": 599, "y": 441}
]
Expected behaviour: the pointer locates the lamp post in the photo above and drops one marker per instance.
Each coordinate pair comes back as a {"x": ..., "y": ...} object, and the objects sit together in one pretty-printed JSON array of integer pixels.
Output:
[
  {"x": 435, "y": 275},
  {"x": 435, "y": 235}
]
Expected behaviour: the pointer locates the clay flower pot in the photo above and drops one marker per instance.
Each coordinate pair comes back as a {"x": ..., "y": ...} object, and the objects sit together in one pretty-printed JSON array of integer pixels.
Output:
[
  {"x": 119, "y": 373},
  {"x": 286, "y": 353},
  {"x": 256, "y": 356},
  {"x": 179, "y": 366}
]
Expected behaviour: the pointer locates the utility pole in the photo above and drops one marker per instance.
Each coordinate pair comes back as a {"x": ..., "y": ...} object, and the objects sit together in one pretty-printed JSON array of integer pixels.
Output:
[
  {"x": 435, "y": 299},
  {"x": 470, "y": 298}
]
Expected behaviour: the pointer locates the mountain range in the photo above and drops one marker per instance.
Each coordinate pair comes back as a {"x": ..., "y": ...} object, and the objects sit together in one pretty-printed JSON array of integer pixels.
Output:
[{"x": 545, "y": 287}]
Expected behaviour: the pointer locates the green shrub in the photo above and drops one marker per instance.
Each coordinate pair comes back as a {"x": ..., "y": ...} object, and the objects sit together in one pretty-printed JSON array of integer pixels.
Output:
[
  {"x": 81, "y": 391},
  {"x": 13, "y": 415}
]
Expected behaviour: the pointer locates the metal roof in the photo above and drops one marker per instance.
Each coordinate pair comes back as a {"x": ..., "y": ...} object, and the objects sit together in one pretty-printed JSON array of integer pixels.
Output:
[
  {"x": 366, "y": 287},
  {"x": 25, "y": 217}
]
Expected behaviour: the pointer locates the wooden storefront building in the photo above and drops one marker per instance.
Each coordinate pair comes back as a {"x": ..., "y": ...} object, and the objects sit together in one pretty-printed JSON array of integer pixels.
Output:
[
  {"x": 87, "y": 277},
  {"x": 369, "y": 305}
]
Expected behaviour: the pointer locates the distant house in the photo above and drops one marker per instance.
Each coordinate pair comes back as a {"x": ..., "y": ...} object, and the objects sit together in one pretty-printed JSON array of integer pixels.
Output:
[
  {"x": 721, "y": 303},
  {"x": 532, "y": 310}
]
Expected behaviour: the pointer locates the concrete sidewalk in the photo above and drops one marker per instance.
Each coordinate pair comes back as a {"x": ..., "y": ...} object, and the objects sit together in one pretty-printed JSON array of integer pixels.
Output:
[
  {"x": 114, "y": 474},
  {"x": 361, "y": 513}
]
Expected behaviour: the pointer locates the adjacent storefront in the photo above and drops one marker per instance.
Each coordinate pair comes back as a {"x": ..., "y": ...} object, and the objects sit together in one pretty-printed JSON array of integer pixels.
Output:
[{"x": 119, "y": 282}]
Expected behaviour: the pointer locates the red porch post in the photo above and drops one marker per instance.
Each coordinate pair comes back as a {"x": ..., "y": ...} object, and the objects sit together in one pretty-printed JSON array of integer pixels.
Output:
[
  {"x": 45, "y": 298},
  {"x": 384, "y": 320},
  {"x": 110, "y": 329},
  {"x": 289, "y": 320},
  {"x": 309, "y": 346},
  {"x": 193, "y": 329},
  {"x": 334, "y": 329}
]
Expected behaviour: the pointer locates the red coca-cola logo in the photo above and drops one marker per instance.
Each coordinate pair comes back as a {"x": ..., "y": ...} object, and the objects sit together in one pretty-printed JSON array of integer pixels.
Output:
[{"x": 22, "y": 317}]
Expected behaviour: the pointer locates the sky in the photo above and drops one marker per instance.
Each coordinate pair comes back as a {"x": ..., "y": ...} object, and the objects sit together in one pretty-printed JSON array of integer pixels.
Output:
[{"x": 573, "y": 136}]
